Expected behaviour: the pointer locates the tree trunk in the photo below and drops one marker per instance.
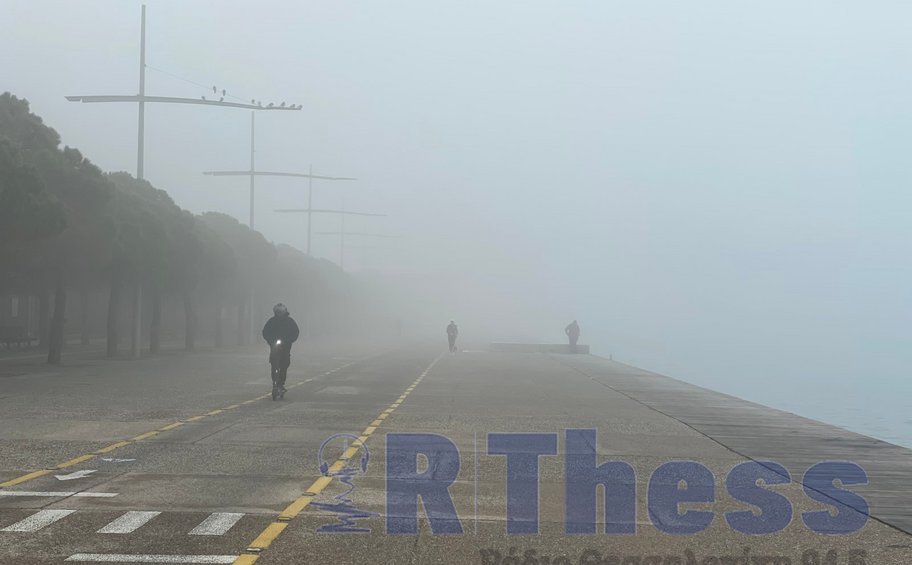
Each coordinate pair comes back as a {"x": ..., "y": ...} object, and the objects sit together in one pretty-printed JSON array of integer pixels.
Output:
[
  {"x": 44, "y": 312},
  {"x": 190, "y": 323},
  {"x": 242, "y": 327},
  {"x": 84, "y": 315},
  {"x": 219, "y": 338},
  {"x": 155, "y": 324},
  {"x": 113, "y": 309},
  {"x": 55, "y": 342}
]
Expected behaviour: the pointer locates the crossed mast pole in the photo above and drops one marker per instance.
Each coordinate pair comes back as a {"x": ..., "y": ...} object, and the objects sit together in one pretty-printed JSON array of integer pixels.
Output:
[
  {"x": 252, "y": 173},
  {"x": 342, "y": 212}
]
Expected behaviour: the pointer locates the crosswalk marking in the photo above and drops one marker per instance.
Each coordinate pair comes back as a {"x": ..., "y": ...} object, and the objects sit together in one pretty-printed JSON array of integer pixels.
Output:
[
  {"x": 217, "y": 524},
  {"x": 38, "y": 520},
  {"x": 146, "y": 558},
  {"x": 128, "y": 523}
]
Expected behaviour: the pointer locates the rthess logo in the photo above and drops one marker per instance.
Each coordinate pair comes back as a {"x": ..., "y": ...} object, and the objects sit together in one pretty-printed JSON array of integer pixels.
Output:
[{"x": 670, "y": 486}]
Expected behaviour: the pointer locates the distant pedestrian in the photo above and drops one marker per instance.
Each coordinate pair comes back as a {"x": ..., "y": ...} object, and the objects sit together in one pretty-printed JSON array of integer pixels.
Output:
[
  {"x": 573, "y": 331},
  {"x": 452, "y": 332}
]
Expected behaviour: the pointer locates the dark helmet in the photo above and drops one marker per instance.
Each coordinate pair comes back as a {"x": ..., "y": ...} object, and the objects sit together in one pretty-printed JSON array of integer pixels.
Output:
[{"x": 280, "y": 309}]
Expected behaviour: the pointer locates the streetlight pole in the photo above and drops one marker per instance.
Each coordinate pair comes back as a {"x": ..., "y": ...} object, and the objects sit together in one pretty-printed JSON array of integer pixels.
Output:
[
  {"x": 136, "y": 335},
  {"x": 254, "y": 173},
  {"x": 141, "y": 100},
  {"x": 252, "y": 165}
]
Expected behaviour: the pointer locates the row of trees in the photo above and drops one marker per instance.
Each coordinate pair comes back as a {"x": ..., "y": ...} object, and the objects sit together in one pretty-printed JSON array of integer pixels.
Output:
[{"x": 66, "y": 225}]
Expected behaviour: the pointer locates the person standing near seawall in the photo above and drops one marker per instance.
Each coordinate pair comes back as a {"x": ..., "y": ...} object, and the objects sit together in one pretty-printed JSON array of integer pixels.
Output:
[{"x": 573, "y": 331}]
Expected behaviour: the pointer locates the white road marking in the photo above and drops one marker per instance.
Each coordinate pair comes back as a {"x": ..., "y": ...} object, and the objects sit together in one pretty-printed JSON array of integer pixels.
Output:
[
  {"x": 58, "y": 494},
  {"x": 76, "y": 475},
  {"x": 217, "y": 524},
  {"x": 115, "y": 460},
  {"x": 38, "y": 520},
  {"x": 128, "y": 523},
  {"x": 125, "y": 558}
]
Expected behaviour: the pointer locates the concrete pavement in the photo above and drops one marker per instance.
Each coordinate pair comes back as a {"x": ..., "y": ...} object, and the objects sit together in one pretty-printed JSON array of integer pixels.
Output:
[{"x": 231, "y": 477}]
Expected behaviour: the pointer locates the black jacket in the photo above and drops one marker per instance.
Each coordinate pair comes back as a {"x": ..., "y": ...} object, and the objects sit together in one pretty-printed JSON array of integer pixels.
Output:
[{"x": 280, "y": 327}]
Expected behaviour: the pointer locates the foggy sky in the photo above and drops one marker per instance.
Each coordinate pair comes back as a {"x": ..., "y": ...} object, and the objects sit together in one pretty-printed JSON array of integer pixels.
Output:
[{"x": 716, "y": 190}]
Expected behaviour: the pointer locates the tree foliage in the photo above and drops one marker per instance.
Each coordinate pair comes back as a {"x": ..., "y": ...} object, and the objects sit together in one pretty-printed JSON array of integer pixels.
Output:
[{"x": 63, "y": 222}]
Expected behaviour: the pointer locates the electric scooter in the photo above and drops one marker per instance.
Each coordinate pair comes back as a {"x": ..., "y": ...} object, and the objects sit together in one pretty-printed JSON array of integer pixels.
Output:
[{"x": 275, "y": 359}]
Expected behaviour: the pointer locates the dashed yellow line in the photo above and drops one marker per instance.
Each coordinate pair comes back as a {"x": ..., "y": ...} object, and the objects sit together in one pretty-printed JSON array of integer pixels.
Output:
[
  {"x": 112, "y": 447},
  {"x": 76, "y": 460},
  {"x": 147, "y": 435},
  {"x": 272, "y": 531},
  {"x": 23, "y": 478},
  {"x": 268, "y": 535}
]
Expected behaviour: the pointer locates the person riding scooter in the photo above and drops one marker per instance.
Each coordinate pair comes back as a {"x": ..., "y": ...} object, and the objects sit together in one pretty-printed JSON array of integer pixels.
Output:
[{"x": 280, "y": 332}]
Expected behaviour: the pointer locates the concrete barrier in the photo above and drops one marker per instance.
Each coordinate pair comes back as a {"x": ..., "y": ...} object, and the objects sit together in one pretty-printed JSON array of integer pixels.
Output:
[{"x": 537, "y": 347}]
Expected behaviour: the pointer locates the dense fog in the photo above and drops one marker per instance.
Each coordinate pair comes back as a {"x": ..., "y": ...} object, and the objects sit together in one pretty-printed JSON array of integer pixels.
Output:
[{"x": 715, "y": 190}]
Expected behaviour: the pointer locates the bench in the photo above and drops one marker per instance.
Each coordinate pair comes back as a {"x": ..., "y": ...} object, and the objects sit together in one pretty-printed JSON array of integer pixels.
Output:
[{"x": 15, "y": 334}]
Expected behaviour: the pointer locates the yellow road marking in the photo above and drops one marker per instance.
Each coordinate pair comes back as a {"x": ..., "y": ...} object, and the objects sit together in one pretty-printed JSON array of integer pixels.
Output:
[
  {"x": 23, "y": 478},
  {"x": 295, "y": 508},
  {"x": 113, "y": 446},
  {"x": 76, "y": 460},
  {"x": 273, "y": 530},
  {"x": 119, "y": 444},
  {"x": 268, "y": 535},
  {"x": 232, "y": 407},
  {"x": 319, "y": 484}
]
